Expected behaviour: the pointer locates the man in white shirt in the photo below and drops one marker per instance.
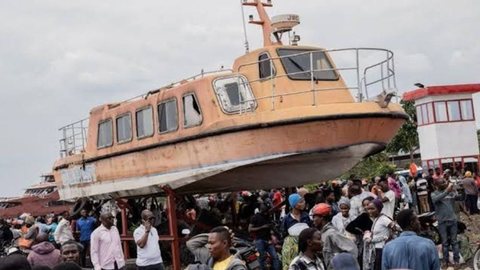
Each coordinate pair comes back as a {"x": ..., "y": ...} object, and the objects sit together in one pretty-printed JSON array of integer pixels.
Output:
[
  {"x": 105, "y": 245},
  {"x": 388, "y": 198},
  {"x": 63, "y": 232},
  {"x": 148, "y": 249}
]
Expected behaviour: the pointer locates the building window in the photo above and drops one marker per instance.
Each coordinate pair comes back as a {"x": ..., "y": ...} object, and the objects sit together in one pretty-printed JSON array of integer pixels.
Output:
[
  {"x": 440, "y": 112},
  {"x": 419, "y": 115},
  {"x": 234, "y": 94},
  {"x": 191, "y": 111},
  {"x": 431, "y": 119},
  {"x": 453, "y": 111},
  {"x": 445, "y": 111},
  {"x": 466, "y": 109},
  {"x": 425, "y": 114},
  {"x": 144, "y": 122},
  {"x": 124, "y": 128},
  {"x": 265, "y": 68},
  {"x": 167, "y": 116},
  {"x": 104, "y": 137}
]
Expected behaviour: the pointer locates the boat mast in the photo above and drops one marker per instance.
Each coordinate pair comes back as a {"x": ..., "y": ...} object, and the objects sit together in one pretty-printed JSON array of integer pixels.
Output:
[{"x": 264, "y": 20}]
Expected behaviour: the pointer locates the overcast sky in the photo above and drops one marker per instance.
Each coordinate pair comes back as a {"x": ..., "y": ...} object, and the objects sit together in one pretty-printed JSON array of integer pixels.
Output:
[{"x": 58, "y": 59}]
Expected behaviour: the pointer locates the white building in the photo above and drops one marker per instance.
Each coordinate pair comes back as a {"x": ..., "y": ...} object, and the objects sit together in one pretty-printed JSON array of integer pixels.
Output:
[{"x": 446, "y": 126}]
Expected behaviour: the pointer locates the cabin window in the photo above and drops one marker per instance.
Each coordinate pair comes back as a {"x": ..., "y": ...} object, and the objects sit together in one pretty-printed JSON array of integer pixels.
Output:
[
  {"x": 124, "y": 128},
  {"x": 191, "y": 111},
  {"x": 104, "y": 138},
  {"x": 144, "y": 122},
  {"x": 298, "y": 64},
  {"x": 234, "y": 94},
  {"x": 167, "y": 116},
  {"x": 265, "y": 68}
]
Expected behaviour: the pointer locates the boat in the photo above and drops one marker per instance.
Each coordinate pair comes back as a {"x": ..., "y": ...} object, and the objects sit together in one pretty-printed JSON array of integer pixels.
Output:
[
  {"x": 38, "y": 199},
  {"x": 284, "y": 115}
]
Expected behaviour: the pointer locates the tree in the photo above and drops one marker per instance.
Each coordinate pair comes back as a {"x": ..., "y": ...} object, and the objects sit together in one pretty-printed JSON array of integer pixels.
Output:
[
  {"x": 371, "y": 166},
  {"x": 406, "y": 139}
]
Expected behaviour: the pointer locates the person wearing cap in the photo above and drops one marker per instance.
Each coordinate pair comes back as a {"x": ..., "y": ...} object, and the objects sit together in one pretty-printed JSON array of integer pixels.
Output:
[
  {"x": 471, "y": 192},
  {"x": 343, "y": 218},
  {"x": 444, "y": 200},
  {"x": 28, "y": 233},
  {"x": 297, "y": 214},
  {"x": 309, "y": 245},
  {"x": 298, "y": 218},
  {"x": 333, "y": 241},
  {"x": 408, "y": 250}
]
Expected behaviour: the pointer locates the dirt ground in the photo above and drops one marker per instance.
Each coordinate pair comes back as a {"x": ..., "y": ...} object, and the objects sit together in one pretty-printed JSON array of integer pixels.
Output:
[{"x": 473, "y": 233}]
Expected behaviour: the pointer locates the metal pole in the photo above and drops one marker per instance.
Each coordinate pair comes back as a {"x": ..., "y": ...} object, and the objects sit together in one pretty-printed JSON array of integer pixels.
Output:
[
  {"x": 74, "y": 139},
  {"x": 126, "y": 252},
  {"x": 172, "y": 226},
  {"x": 311, "y": 79},
  {"x": 65, "y": 141},
  {"x": 83, "y": 138},
  {"x": 244, "y": 28},
  {"x": 382, "y": 76},
  {"x": 272, "y": 80},
  {"x": 359, "y": 88},
  {"x": 388, "y": 72}
]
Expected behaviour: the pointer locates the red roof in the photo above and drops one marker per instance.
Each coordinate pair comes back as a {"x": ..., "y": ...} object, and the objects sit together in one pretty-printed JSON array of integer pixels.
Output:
[{"x": 441, "y": 90}]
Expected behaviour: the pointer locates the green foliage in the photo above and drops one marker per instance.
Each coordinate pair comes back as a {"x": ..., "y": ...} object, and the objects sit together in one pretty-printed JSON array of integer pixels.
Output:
[
  {"x": 372, "y": 166},
  {"x": 406, "y": 139}
]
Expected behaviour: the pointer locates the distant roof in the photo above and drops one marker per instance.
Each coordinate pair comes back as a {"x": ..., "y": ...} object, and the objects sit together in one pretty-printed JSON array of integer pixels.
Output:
[{"x": 441, "y": 90}]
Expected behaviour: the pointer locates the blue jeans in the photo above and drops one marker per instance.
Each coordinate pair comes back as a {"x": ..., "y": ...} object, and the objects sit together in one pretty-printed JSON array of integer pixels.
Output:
[
  {"x": 448, "y": 234},
  {"x": 263, "y": 247}
]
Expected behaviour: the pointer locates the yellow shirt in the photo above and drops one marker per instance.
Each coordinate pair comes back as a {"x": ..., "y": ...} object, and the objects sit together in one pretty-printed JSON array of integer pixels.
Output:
[{"x": 222, "y": 265}]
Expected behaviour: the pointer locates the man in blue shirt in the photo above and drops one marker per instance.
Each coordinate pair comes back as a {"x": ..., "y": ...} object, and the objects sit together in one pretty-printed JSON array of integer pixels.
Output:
[
  {"x": 85, "y": 226},
  {"x": 410, "y": 251}
]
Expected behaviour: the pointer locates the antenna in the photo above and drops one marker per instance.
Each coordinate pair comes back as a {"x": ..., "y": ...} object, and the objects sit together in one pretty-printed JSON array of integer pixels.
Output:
[
  {"x": 264, "y": 19},
  {"x": 244, "y": 28}
]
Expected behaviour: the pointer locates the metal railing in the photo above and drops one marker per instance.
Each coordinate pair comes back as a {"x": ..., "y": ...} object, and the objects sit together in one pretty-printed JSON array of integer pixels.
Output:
[
  {"x": 367, "y": 73},
  {"x": 74, "y": 138}
]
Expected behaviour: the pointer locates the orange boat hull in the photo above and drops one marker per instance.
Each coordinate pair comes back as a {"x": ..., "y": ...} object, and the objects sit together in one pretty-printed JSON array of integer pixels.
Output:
[{"x": 278, "y": 154}]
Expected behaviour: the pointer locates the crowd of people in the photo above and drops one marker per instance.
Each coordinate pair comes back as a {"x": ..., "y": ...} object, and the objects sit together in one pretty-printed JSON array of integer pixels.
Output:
[{"x": 351, "y": 224}]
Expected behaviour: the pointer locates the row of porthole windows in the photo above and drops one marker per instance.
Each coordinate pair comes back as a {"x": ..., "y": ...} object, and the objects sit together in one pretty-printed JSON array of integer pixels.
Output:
[
  {"x": 445, "y": 111},
  {"x": 167, "y": 121}
]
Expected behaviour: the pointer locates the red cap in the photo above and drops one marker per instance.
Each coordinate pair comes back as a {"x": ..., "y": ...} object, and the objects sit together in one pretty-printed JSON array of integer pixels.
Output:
[{"x": 322, "y": 209}]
